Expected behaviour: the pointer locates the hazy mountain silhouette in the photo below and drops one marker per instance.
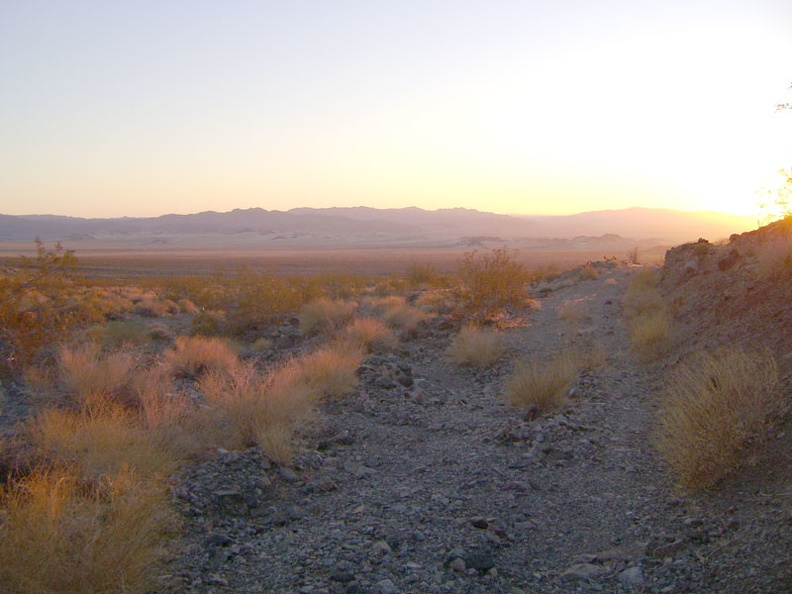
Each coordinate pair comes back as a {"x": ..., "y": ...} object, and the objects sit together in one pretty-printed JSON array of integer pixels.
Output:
[{"x": 663, "y": 225}]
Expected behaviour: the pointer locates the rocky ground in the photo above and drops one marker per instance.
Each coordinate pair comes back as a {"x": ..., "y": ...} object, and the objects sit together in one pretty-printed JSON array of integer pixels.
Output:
[{"x": 425, "y": 480}]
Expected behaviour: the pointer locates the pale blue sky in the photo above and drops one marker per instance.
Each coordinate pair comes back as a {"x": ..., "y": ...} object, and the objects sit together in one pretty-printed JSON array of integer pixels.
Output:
[{"x": 147, "y": 108}]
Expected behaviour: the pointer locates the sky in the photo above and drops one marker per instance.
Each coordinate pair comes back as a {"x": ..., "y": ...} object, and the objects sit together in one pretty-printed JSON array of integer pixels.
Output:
[{"x": 116, "y": 108}]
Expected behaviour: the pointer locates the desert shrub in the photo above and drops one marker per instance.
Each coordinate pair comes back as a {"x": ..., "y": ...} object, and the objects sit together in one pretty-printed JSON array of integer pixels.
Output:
[
  {"x": 712, "y": 408},
  {"x": 121, "y": 332},
  {"x": 62, "y": 534},
  {"x": 125, "y": 333},
  {"x": 265, "y": 410},
  {"x": 153, "y": 307},
  {"x": 648, "y": 318},
  {"x": 35, "y": 308},
  {"x": 100, "y": 439},
  {"x": 245, "y": 303},
  {"x": 543, "y": 384},
  {"x": 476, "y": 347},
  {"x": 425, "y": 276},
  {"x": 330, "y": 372},
  {"x": 187, "y": 306},
  {"x": 194, "y": 355},
  {"x": 87, "y": 373},
  {"x": 253, "y": 301},
  {"x": 370, "y": 334},
  {"x": 208, "y": 322},
  {"x": 324, "y": 315},
  {"x": 492, "y": 281},
  {"x": 336, "y": 286}
]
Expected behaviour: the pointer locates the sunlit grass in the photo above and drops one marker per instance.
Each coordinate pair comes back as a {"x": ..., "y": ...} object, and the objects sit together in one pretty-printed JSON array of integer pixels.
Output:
[
  {"x": 713, "y": 407},
  {"x": 87, "y": 373},
  {"x": 61, "y": 533},
  {"x": 542, "y": 383},
  {"x": 476, "y": 347},
  {"x": 195, "y": 355}
]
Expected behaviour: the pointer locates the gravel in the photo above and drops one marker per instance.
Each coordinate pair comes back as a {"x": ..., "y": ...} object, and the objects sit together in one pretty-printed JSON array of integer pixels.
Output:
[{"x": 425, "y": 480}]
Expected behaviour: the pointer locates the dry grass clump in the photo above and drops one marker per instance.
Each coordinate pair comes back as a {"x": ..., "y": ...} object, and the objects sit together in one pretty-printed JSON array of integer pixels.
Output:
[
  {"x": 369, "y": 333},
  {"x": 88, "y": 374},
  {"x": 160, "y": 409},
  {"x": 589, "y": 272},
  {"x": 436, "y": 301},
  {"x": 331, "y": 372},
  {"x": 195, "y": 355},
  {"x": 324, "y": 315},
  {"x": 400, "y": 315},
  {"x": 712, "y": 408},
  {"x": 187, "y": 306},
  {"x": 61, "y": 533},
  {"x": 153, "y": 307},
  {"x": 650, "y": 333},
  {"x": 100, "y": 439},
  {"x": 543, "y": 384},
  {"x": 476, "y": 347},
  {"x": 248, "y": 408},
  {"x": 648, "y": 318},
  {"x": 382, "y": 304}
]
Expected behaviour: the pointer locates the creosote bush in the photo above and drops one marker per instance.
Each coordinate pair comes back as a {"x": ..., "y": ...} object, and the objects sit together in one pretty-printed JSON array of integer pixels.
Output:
[
  {"x": 476, "y": 347},
  {"x": 36, "y": 305},
  {"x": 491, "y": 282},
  {"x": 713, "y": 407}
]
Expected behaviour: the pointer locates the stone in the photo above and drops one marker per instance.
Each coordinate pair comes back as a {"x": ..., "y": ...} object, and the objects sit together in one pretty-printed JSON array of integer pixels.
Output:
[
  {"x": 287, "y": 474},
  {"x": 632, "y": 576},
  {"x": 343, "y": 577},
  {"x": 217, "y": 539},
  {"x": 386, "y": 587},
  {"x": 457, "y": 565},
  {"x": 381, "y": 547},
  {"x": 582, "y": 571},
  {"x": 479, "y": 561}
]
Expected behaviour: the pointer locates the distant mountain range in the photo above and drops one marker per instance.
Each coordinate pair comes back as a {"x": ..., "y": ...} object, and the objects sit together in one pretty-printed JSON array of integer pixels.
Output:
[{"x": 354, "y": 224}]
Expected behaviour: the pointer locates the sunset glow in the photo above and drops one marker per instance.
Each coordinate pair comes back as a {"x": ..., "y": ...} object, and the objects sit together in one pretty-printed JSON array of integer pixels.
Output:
[{"x": 142, "y": 109}]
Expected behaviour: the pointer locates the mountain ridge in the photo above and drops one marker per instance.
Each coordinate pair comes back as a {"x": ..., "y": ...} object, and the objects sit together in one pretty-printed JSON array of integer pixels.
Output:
[{"x": 671, "y": 226}]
